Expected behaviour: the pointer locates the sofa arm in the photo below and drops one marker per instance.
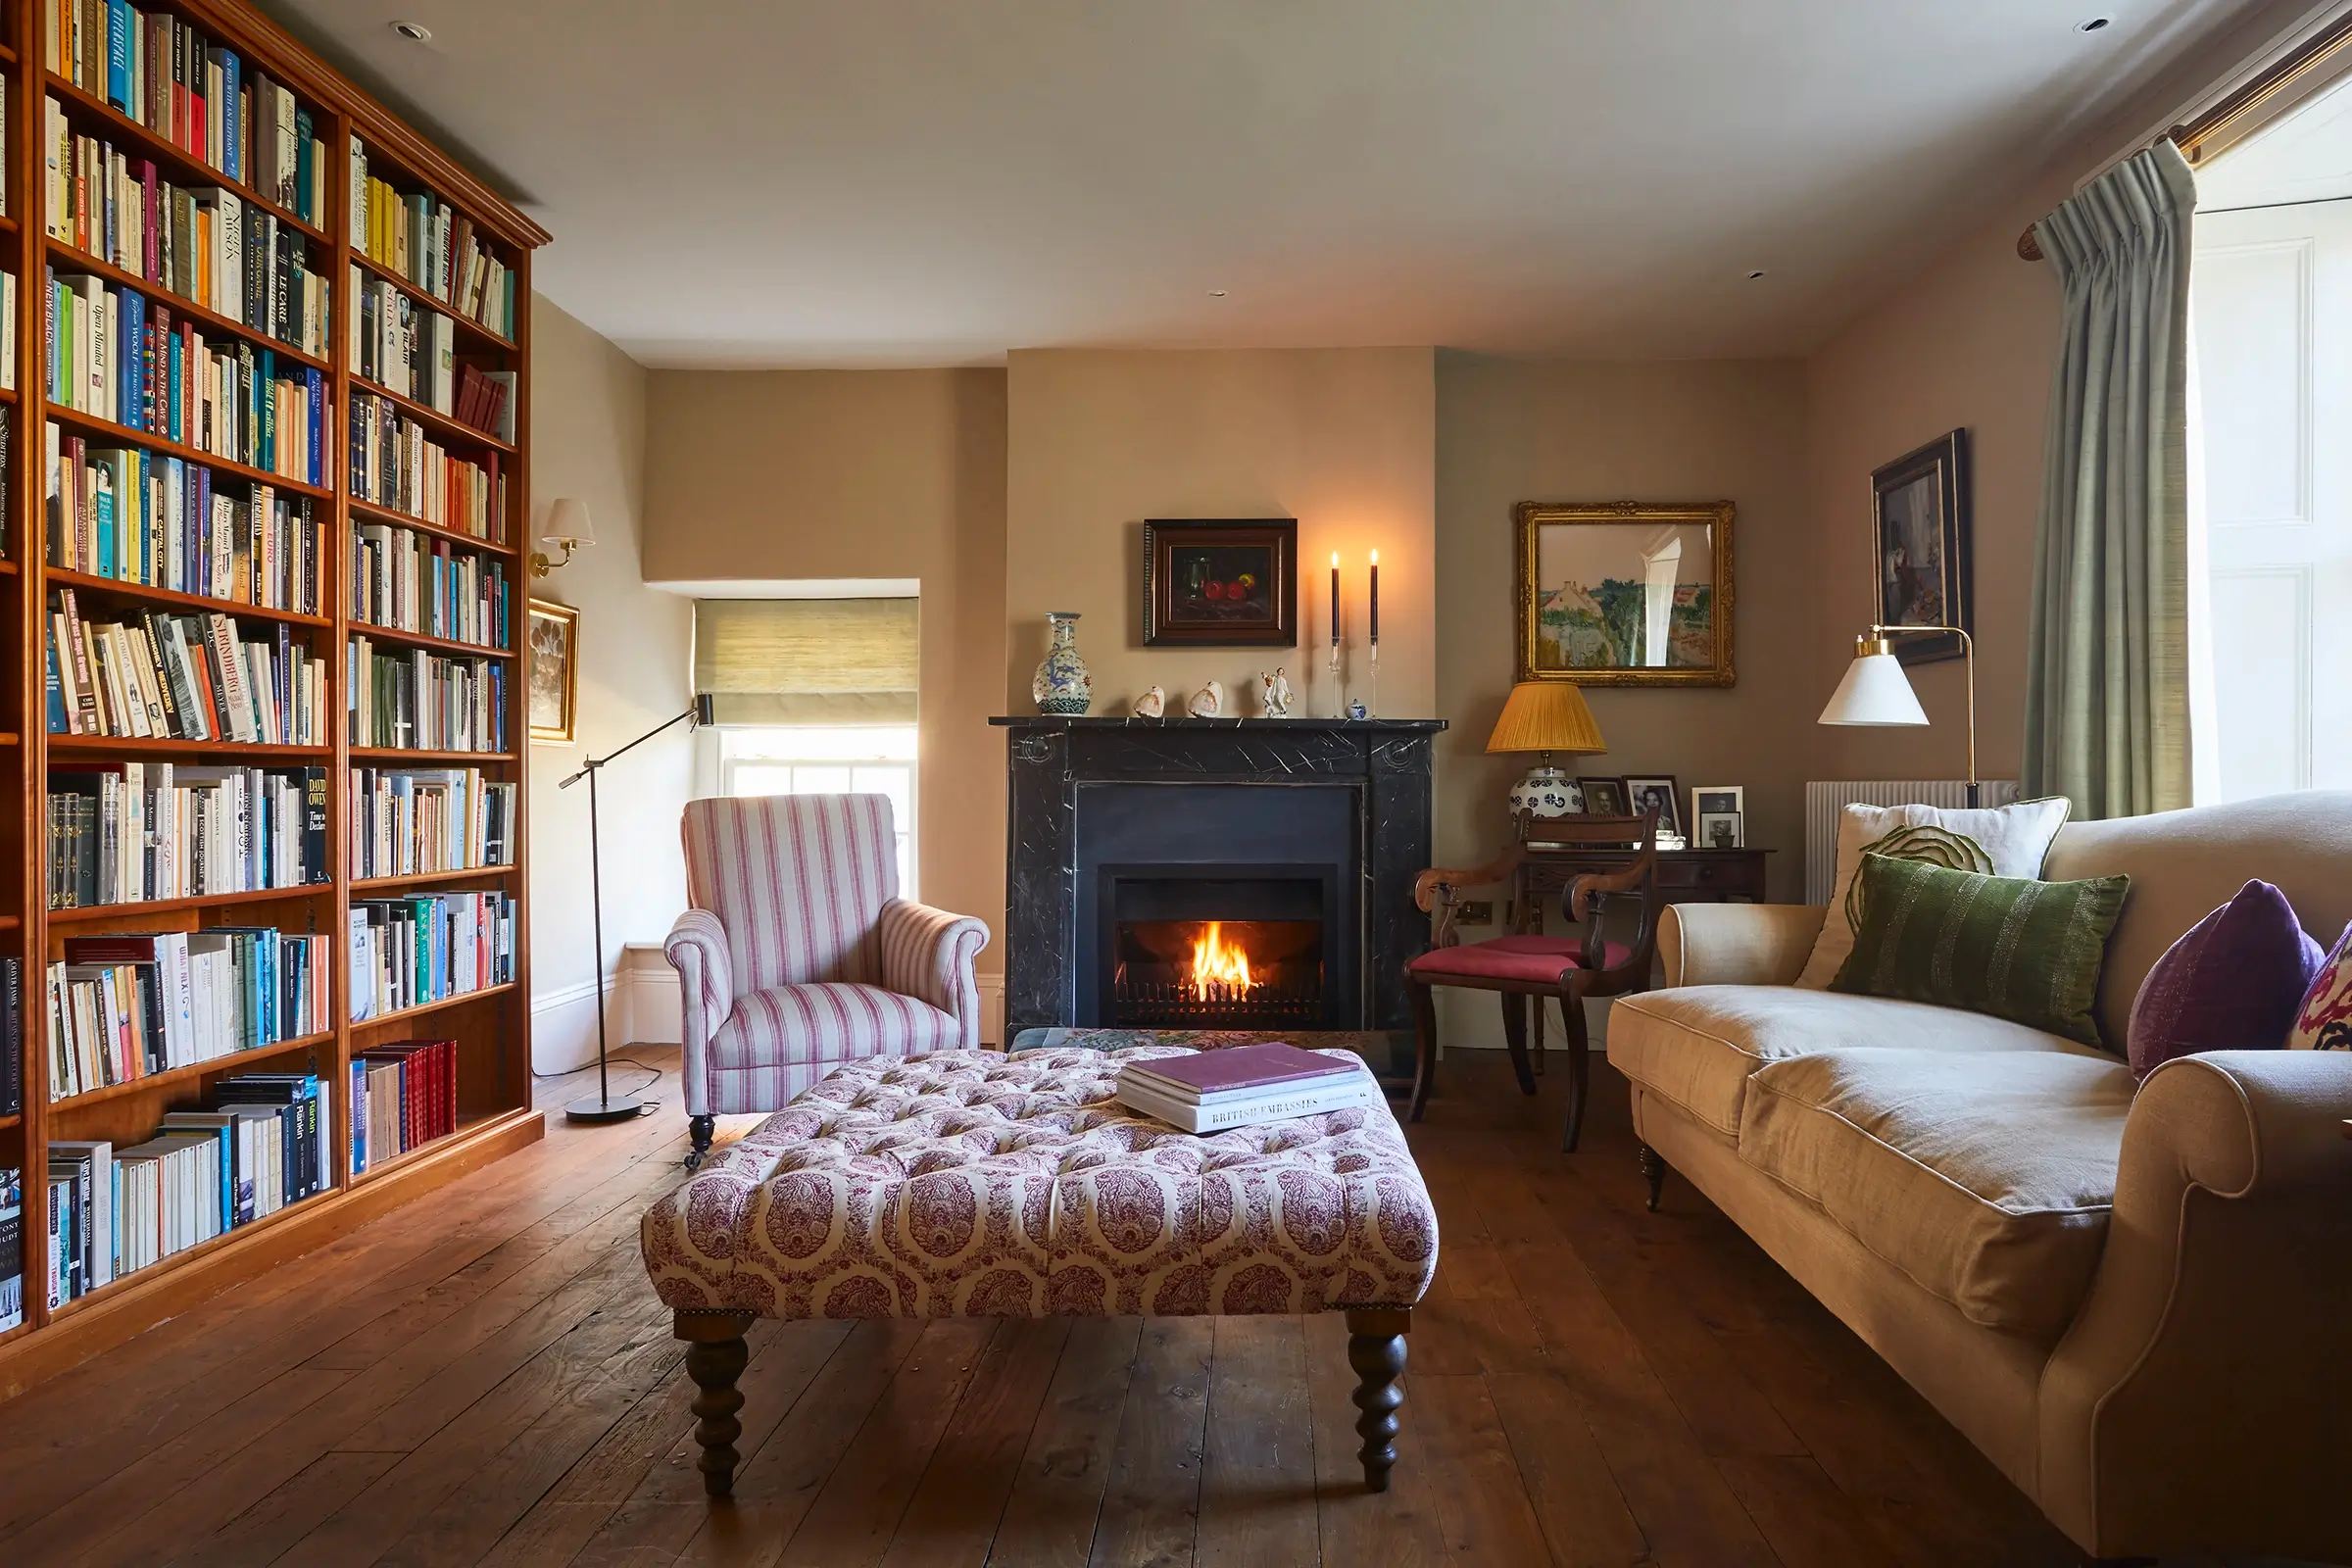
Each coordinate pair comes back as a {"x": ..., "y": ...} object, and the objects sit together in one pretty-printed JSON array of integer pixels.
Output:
[
  {"x": 697, "y": 948},
  {"x": 1737, "y": 944},
  {"x": 2198, "y": 1402},
  {"x": 927, "y": 954}
]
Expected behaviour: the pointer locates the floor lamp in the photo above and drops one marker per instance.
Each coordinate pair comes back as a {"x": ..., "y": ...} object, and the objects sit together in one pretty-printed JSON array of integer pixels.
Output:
[
  {"x": 602, "y": 1106},
  {"x": 1876, "y": 693}
]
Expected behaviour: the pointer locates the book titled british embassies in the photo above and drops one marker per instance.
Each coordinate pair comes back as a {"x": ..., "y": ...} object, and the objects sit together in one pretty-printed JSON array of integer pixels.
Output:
[{"x": 1215, "y": 1091}]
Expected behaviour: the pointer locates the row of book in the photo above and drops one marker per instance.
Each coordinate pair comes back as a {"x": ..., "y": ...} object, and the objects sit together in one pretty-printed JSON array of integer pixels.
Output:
[
  {"x": 206, "y": 244},
  {"x": 125, "y": 1005},
  {"x": 138, "y": 517},
  {"x": 486, "y": 401},
  {"x": 421, "y": 238},
  {"x": 413, "y": 822},
  {"x": 262, "y": 1144},
  {"x": 191, "y": 677},
  {"x": 409, "y": 698},
  {"x": 133, "y": 832},
  {"x": 396, "y": 466},
  {"x": 202, "y": 98},
  {"x": 410, "y": 580},
  {"x": 114, "y": 357},
  {"x": 402, "y": 1096},
  {"x": 407, "y": 951}
]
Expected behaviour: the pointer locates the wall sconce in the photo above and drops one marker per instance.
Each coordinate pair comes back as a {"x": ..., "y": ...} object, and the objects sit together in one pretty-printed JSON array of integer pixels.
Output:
[{"x": 567, "y": 525}]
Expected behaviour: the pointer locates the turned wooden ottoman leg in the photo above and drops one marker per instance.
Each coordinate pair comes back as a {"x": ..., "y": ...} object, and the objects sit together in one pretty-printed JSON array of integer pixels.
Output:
[
  {"x": 1376, "y": 1350},
  {"x": 714, "y": 1358}
]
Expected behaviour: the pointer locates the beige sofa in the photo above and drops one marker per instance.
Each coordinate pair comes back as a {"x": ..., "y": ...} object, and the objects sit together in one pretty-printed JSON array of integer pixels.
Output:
[{"x": 2137, "y": 1304}]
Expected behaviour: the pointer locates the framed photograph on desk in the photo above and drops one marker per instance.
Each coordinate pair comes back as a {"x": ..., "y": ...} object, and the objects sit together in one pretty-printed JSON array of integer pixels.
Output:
[
  {"x": 1657, "y": 794},
  {"x": 1710, "y": 804}
]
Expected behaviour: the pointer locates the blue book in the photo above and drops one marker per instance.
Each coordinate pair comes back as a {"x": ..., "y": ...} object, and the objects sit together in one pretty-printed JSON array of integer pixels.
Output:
[
  {"x": 130, "y": 358},
  {"x": 56, "y": 691},
  {"x": 265, "y": 387},
  {"x": 318, "y": 412},
  {"x": 303, "y": 167},
  {"x": 174, "y": 427},
  {"x": 105, "y": 519},
  {"x": 232, "y": 111},
  {"x": 57, "y": 347},
  {"x": 118, "y": 56},
  {"x": 359, "y": 1116}
]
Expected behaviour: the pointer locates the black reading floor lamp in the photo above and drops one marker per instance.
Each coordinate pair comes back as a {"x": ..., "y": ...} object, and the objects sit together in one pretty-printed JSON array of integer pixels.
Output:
[{"x": 604, "y": 1107}]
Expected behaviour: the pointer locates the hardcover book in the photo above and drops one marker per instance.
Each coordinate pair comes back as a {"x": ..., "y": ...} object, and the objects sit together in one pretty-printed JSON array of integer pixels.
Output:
[{"x": 1215, "y": 1074}]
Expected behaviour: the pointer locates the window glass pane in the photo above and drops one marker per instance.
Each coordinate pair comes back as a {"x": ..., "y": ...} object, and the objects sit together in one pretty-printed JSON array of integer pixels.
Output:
[{"x": 751, "y": 778}]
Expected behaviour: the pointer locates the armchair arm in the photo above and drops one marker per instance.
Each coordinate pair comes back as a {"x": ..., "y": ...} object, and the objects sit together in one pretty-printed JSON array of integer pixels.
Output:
[
  {"x": 1436, "y": 886},
  {"x": 927, "y": 954},
  {"x": 2200, "y": 1394},
  {"x": 1737, "y": 944},
  {"x": 697, "y": 948}
]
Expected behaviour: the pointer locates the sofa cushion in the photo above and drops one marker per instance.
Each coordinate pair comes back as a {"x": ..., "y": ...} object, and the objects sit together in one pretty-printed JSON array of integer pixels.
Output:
[
  {"x": 1696, "y": 1045},
  {"x": 1986, "y": 1177},
  {"x": 2324, "y": 1017},
  {"x": 2233, "y": 983}
]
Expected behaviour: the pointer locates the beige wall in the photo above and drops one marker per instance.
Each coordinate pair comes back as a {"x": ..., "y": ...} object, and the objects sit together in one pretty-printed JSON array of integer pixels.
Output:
[
  {"x": 1341, "y": 439},
  {"x": 588, "y": 440},
  {"x": 794, "y": 474}
]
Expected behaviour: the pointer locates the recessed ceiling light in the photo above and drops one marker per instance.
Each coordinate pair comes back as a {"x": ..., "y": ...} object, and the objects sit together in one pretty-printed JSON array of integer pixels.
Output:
[
  {"x": 413, "y": 32},
  {"x": 1216, "y": 293},
  {"x": 2094, "y": 23}
]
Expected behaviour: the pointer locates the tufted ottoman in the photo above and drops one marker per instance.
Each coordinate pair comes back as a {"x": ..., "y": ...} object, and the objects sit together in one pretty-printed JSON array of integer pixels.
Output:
[{"x": 971, "y": 1184}]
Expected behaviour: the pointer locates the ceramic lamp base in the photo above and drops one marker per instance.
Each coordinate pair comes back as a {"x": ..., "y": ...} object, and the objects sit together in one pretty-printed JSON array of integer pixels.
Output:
[{"x": 1547, "y": 792}]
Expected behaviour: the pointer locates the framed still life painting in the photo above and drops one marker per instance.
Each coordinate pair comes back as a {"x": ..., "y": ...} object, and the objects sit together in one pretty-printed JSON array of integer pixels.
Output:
[
  {"x": 1221, "y": 583},
  {"x": 553, "y": 671},
  {"x": 1919, "y": 526},
  {"x": 1625, "y": 594}
]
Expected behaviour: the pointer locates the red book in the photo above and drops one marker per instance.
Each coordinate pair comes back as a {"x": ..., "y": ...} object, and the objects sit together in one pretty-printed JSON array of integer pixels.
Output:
[{"x": 1239, "y": 1069}]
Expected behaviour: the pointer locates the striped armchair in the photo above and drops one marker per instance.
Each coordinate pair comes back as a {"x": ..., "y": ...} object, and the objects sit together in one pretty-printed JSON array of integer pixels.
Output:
[{"x": 798, "y": 954}]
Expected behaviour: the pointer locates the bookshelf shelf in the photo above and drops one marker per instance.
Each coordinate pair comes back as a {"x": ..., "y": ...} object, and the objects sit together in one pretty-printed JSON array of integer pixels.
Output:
[
  {"x": 189, "y": 1074},
  {"x": 416, "y": 639},
  {"x": 86, "y": 585},
  {"x": 491, "y": 1027},
  {"x": 111, "y": 431}
]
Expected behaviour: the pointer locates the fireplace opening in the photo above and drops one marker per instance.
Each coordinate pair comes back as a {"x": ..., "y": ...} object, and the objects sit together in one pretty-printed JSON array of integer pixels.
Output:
[{"x": 1191, "y": 952}]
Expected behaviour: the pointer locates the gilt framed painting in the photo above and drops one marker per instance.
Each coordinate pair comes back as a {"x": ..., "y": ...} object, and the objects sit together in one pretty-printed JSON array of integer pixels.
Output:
[
  {"x": 1919, "y": 529},
  {"x": 553, "y": 672},
  {"x": 1221, "y": 583},
  {"x": 1629, "y": 593}
]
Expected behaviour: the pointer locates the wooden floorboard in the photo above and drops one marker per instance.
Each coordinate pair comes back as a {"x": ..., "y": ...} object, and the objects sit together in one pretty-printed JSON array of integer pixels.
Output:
[{"x": 485, "y": 1378}]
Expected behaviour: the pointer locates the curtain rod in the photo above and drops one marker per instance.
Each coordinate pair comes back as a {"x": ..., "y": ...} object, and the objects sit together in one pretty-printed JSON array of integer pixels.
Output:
[{"x": 2196, "y": 134}]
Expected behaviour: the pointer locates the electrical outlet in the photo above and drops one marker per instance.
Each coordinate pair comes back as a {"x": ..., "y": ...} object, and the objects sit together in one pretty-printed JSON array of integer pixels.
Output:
[{"x": 1475, "y": 912}]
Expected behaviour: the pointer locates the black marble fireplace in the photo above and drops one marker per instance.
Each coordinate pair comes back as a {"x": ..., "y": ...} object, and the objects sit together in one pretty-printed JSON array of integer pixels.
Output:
[{"x": 1213, "y": 873}]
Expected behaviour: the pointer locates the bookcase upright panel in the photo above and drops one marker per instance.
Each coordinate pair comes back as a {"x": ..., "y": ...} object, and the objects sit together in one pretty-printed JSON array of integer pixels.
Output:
[{"x": 239, "y": 167}]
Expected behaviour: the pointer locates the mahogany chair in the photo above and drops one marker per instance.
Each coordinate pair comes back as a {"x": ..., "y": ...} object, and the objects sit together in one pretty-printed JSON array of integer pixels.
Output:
[{"x": 1529, "y": 964}]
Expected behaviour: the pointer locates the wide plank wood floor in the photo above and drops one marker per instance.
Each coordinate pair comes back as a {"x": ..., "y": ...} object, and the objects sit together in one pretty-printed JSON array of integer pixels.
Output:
[{"x": 484, "y": 1376}]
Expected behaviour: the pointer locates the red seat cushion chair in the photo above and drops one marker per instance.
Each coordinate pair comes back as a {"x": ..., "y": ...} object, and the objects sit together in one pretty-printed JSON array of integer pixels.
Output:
[{"x": 1537, "y": 960}]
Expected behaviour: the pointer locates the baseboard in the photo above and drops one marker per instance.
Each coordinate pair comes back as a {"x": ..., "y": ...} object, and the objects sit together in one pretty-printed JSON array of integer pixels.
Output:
[{"x": 564, "y": 1027}]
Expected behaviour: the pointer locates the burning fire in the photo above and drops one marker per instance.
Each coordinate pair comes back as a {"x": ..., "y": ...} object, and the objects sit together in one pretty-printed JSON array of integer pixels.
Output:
[{"x": 1220, "y": 973}]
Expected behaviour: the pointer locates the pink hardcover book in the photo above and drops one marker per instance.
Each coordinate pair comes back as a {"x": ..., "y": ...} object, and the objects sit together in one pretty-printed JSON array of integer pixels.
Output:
[{"x": 1241, "y": 1068}]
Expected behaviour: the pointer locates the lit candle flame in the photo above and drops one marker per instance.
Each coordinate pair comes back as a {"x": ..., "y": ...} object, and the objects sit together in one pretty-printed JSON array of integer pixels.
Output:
[{"x": 1219, "y": 973}]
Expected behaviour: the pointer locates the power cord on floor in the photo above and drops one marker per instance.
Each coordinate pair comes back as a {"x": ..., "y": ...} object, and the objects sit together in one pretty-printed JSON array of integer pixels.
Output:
[{"x": 653, "y": 1075}]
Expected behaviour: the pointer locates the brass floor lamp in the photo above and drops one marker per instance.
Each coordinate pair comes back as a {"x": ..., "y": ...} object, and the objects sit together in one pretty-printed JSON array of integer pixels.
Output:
[{"x": 1876, "y": 693}]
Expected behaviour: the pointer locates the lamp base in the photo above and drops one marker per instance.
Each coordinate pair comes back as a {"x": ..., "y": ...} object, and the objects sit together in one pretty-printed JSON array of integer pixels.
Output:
[
  {"x": 1547, "y": 792},
  {"x": 595, "y": 1109}
]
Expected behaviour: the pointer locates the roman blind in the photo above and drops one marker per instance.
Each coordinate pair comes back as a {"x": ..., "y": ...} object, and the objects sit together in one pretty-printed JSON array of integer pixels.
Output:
[{"x": 806, "y": 660}]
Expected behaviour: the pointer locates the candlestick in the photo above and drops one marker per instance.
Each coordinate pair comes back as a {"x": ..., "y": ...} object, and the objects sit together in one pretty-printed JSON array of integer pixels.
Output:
[
  {"x": 1376, "y": 604},
  {"x": 1335, "y": 604}
]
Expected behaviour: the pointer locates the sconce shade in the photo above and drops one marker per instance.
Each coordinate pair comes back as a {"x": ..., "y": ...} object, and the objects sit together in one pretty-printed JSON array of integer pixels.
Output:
[
  {"x": 1874, "y": 691},
  {"x": 1545, "y": 715},
  {"x": 567, "y": 522}
]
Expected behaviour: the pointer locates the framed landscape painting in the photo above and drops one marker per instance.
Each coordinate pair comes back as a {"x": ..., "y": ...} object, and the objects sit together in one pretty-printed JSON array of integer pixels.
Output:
[
  {"x": 1221, "y": 583},
  {"x": 1919, "y": 526},
  {"x": 551, "y": 668},
  {"x": 1629, "y": 593}
]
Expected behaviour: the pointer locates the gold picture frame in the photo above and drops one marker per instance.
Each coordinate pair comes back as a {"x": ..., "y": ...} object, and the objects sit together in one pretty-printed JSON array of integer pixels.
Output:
[
  {"x": 552, "y": 673},
  {"x": 1584, "y": 570}
]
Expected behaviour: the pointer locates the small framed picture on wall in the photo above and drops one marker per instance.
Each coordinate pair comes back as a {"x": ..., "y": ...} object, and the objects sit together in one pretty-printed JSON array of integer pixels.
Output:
[
  {"x": 1920, "y": 527},
  {"x": 1221, "y": 583},
  {"x": 553, "y": 671}
]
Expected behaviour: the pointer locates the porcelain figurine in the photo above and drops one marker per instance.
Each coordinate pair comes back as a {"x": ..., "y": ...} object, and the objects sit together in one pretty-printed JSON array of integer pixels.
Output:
[
  {"x": 1151, "y": 703},
  {"x": 1208, "y": 702},
  {"x": 1273, "y": 694},
  {"x": 1061, "y": 684},
  {"x": 1358, "y": 709}
]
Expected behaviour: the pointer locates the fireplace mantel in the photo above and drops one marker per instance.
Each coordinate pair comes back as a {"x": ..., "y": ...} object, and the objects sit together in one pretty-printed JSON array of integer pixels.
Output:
[{"x": 1381, "y": 765}]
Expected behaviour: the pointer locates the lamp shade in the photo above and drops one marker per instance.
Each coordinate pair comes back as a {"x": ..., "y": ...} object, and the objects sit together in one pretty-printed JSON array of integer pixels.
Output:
[
  {"x": 1545, "y": 715},
  {"x": 1874, "y": 691},
  {"x": 567, "y": 522}
]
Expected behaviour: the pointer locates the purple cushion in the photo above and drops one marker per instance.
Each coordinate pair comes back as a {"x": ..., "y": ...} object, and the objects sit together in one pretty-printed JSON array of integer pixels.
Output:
[{"x": 2233, "y": 983}]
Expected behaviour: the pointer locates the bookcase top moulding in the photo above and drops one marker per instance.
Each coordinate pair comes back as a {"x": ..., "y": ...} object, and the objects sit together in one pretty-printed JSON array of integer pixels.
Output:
[{"x": 432, "y": 1076}]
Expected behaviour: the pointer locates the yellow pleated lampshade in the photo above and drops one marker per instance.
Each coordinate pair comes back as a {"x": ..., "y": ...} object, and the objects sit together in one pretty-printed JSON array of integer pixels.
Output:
[{"x": 1545, "y": 715}]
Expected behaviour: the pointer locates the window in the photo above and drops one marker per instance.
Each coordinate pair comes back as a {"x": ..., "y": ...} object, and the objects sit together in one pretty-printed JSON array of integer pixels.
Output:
[{"x": 827, "y": 760}]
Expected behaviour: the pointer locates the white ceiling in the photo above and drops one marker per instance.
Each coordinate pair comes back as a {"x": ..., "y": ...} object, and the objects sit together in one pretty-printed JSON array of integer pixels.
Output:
[{"x": 936, "y": 181}]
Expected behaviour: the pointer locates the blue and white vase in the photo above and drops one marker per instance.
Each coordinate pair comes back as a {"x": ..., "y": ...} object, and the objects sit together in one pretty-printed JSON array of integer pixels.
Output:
[
  {"x": 1547, "y": 792},
  {"x": 1061, "y": 684}
]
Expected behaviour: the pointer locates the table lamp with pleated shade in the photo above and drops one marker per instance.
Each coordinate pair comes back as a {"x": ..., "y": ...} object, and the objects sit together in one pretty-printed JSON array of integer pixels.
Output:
[{"x": 1545, "y": 716}]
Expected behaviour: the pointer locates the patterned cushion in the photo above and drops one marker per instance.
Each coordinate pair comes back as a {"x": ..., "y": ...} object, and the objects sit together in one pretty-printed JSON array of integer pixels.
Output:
[
  {"x": 969, "y": 1183},
  {"x": 1533, "y": 959},
  {"x": 798, "y": 881},
  {"x": 778, "y": 1041}
]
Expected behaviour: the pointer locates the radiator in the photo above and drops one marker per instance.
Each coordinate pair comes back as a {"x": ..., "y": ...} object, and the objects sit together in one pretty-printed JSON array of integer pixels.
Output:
[{"x": 1823, "y": 801}]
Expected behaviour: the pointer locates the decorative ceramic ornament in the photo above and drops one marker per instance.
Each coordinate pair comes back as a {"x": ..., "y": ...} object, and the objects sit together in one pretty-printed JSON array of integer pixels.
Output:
[
  {"x": 1547, "y": 792},
  {"x": 1151, "y": 703},
  {"x": 1061, "y": 684},
  {"x": 1208, "y": 702},
  {"x": 1273, "y": 694},
  {"x": 1358, "y": 709}
]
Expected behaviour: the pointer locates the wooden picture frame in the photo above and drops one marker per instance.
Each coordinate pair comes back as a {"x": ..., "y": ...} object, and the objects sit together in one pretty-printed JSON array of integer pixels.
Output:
[
  {"x": 1918, "y": 508},
  {"x": 552, "y": 673},
  {"x": 1586, "y": 578},
  {"x": 1643, "y": 792},
  {"x": 1604, "y": 794},
  {"x": 1221, "y": 582},
  {"x": 1718, "y": 800}
]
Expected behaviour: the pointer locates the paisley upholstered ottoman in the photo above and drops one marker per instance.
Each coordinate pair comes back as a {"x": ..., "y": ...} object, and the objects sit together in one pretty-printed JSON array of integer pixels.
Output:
[{"x": 971, "y": 1184}]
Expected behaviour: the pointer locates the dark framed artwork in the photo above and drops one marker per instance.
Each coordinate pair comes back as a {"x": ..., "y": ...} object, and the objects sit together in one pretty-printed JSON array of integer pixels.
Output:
[
  {"x": 1603, "y": 796},
  {"x": 1221, "y": 583},
  {"x": 1919, "y": 529},
  {"x": 1655, "y": 793},
  {"x": 1624, "y": 593}
]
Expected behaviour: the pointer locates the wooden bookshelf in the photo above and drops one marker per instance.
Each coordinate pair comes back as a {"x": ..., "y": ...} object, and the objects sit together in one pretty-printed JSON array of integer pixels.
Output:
[{"x": 492, "y": 1024}]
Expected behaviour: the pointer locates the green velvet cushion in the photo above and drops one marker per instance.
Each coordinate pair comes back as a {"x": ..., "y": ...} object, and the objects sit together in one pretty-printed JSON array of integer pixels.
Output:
[{"x": 2009, "y": 946}]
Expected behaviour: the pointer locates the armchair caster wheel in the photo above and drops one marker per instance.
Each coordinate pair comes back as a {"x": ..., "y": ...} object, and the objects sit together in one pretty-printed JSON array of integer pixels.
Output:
[{"x": 699, "y": 1129}]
